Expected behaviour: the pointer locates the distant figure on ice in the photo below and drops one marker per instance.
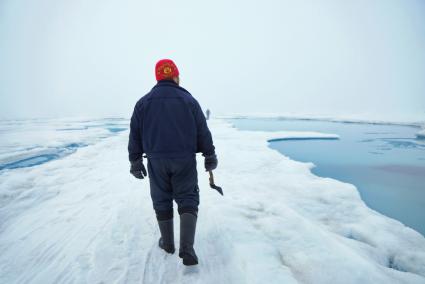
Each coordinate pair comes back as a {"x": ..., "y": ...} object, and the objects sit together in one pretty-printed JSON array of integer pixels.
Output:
[
  {"x": 208, "y": 113},
  {"x": 169, "y": 126}
]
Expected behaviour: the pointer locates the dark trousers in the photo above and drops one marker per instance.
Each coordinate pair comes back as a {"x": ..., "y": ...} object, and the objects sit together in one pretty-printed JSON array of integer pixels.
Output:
[{"x": 173, "y": 179}]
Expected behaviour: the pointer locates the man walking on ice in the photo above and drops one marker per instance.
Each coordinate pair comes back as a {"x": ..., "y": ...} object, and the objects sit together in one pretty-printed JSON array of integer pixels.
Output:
[{"x": 169, "y": 126}]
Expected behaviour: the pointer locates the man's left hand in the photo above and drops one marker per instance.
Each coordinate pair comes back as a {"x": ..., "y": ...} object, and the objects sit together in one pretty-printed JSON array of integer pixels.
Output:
[{"x": 211, "y": 162}]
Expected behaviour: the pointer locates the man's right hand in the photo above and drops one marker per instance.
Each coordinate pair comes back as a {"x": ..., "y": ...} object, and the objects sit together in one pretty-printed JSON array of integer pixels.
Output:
[
  {"x": 211, "y": 162},
  {"x": 138, "y": 169}
]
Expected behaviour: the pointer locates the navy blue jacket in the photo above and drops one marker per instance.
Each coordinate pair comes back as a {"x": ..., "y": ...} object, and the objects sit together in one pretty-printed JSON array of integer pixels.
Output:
[{"x": 168, "y": 123}]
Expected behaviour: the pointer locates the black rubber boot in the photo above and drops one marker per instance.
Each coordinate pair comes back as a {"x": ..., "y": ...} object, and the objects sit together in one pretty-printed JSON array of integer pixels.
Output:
[
  {"x": 187, "y": 239},
  {"x": 166, "y": 241}
]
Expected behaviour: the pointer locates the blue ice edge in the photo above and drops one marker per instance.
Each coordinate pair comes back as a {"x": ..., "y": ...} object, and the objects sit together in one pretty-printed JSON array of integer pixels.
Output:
[
  {"x": 43, "y": 156},
  {"x": 116, "y": 129},
  {"x": 301, "y": 138}
]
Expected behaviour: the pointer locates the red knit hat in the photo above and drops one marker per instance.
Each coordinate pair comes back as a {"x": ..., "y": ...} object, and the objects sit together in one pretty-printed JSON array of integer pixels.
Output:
[{"x": 166, "y": 69}]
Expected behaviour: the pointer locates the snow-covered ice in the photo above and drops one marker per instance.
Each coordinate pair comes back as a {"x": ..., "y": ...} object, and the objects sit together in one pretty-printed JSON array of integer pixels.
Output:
[
  {"x": 84, "y": 219},
  {"x": 32, "y": 142}
]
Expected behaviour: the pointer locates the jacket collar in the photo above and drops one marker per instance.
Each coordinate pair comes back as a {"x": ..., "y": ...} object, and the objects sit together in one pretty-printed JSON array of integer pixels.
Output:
[
  {"x": 170, "y": 83},
  {"x": 166, "y": 82}
]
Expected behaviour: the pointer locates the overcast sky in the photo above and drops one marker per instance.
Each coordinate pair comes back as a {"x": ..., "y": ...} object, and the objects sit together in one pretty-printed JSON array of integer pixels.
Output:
[{"x": 96, "y": 58}]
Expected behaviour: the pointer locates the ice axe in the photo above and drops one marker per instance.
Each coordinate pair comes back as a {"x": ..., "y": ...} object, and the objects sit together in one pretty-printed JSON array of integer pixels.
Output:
[{"x": 212, "y": 185}]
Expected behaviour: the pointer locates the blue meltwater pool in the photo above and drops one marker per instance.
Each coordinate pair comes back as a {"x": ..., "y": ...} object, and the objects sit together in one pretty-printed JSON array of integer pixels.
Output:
[{"x": 385, "y": 162}]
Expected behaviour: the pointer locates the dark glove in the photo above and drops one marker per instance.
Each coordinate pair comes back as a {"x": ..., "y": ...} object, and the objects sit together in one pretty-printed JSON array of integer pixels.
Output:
[
  {"x": 211, "y": 162},
  {"x": 138, "y": 169}
]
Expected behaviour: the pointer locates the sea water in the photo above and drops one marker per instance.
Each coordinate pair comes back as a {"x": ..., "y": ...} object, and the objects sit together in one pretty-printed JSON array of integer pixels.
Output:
[{"x": 385, "y": 162}]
